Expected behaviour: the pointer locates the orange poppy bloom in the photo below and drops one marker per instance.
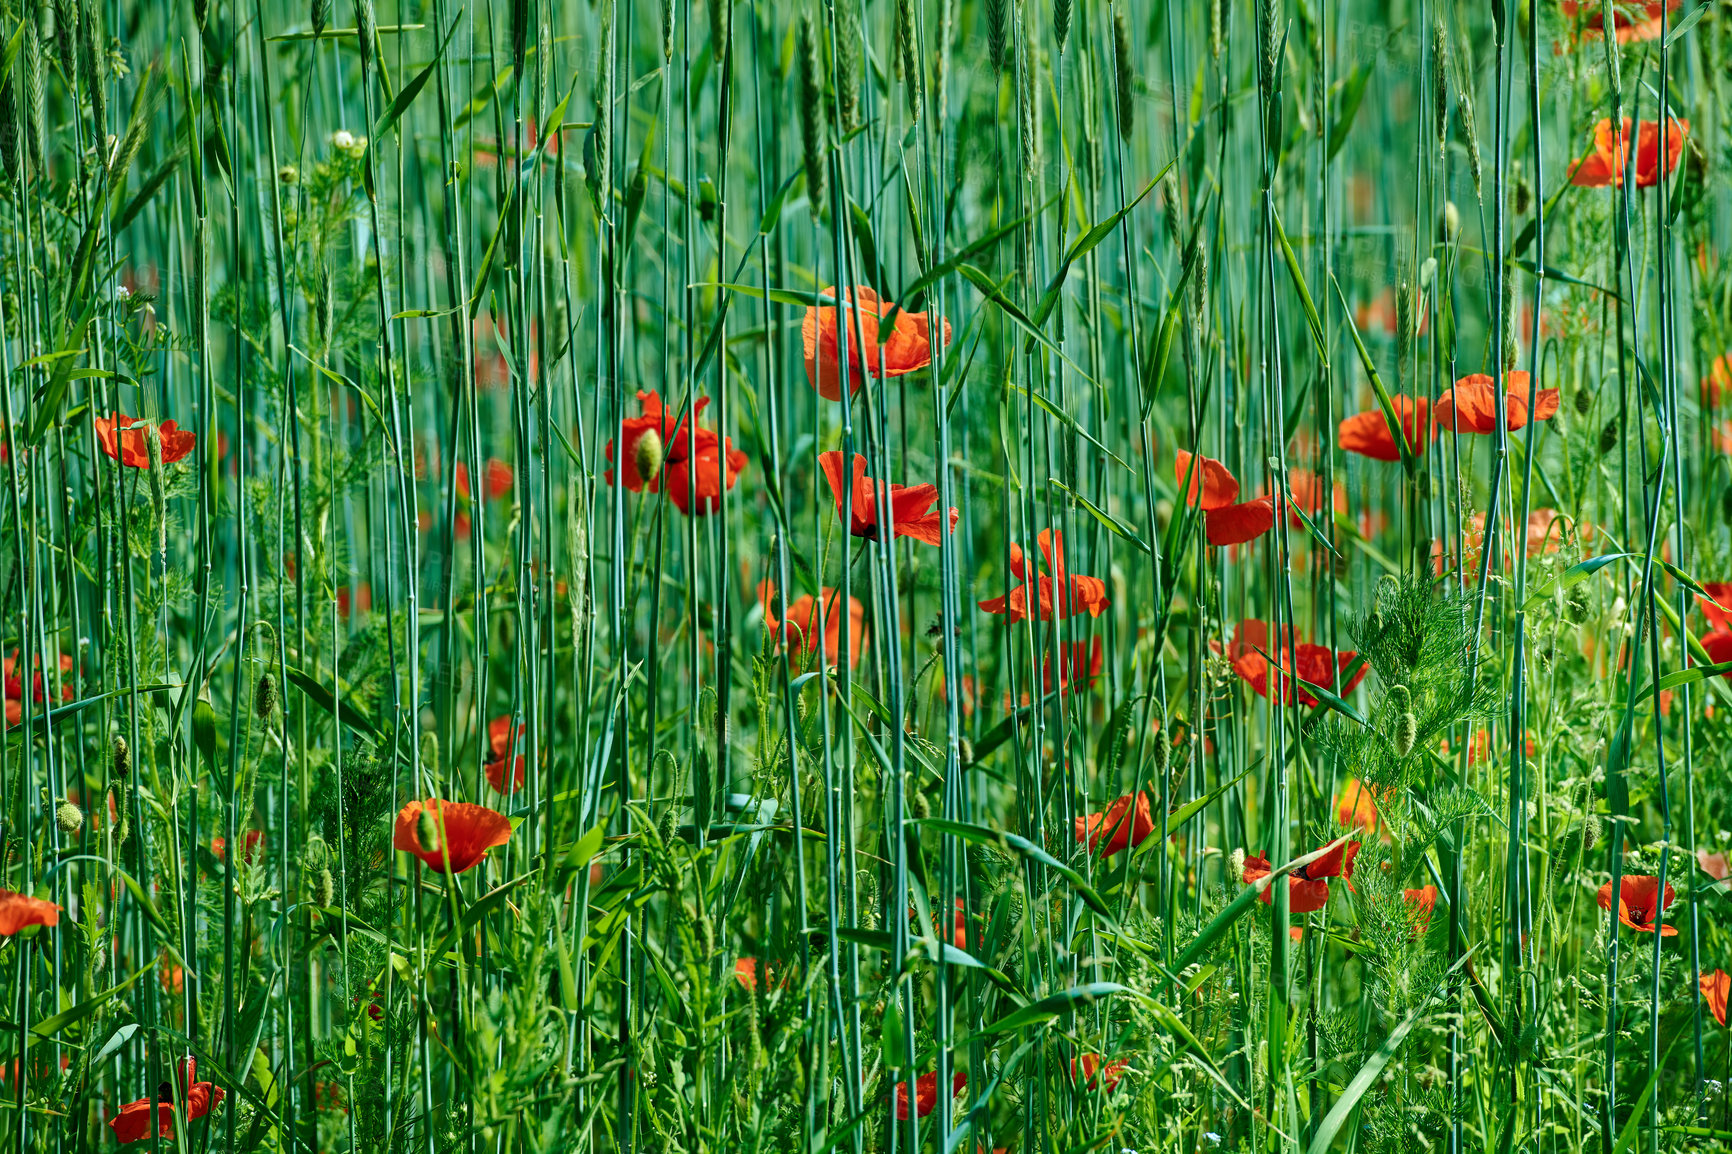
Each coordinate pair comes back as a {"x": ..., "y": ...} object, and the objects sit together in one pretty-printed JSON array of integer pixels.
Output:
[
  {"x": 469, "y": 831},
  {"x": 1356, "y": 806},
  {"x": 1604, "y": 166},
  {"x": 20, "y": 910},
  {"x": 1714, "y": 385},
  {"x": 1420, "y": 904},
  {"x": 1305, "y": 492},
  {"x": 1639, "y": 904},
  {"x": 907, "y": 349},
  {"x": 1715, "y": 987},
  {"x": 1369, "y": 434},
  {"x": 125, "y": 439},
  {"x": 1631, "y": 22},
  {"x": 1316, "y": 664},
  {"x": 1237, "y": 524},
  {"x": 1471, "y": 406},
  {"x": 747, "y": 972},
  {"x": 1081, "y": 593},
  {"x": 1307, "y": 886},
  {"x": 135, "y": 1121},
  {"x": 251, "y": 842},
  {"x": 684, "y": 454},
  {"x": 926, "y": 1093},
  {"x": 813, "y": 623},
  {"x": 1108, "y": 1075},
  {"x": 956, "y": 936},
  {"x": 911, "y": 512},
  {"x": 1212, "y": 485},
  {"x": 499, "y": 743},
  {"x": 1118, "y": 826}
]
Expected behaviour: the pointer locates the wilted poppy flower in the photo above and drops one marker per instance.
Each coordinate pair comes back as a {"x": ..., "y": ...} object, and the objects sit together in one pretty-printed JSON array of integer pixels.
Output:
[
  {"x": 250, "y": 843},
  {"x": 1631, "y": 22},
  {"x": 1250, "y": 654},
  {"x": 1211, "y": 486},
  {"x": 499, "y": 744},
  {"x": 1639, "y": 906},
  {"x": 925, "y": 1093},
  {"x": 907, "y": 349},
  {"x": 1107, "y": 1077},
  {"x": 815, "y": 622},
  {"x": 468, "y": 830},
  {"x": 1715, "y": 987},
  {"x": 911, "y": 511},
  {"x": 1118, "y": 826},
  {"x": 1370, "y": 435},
  {"x": 20, "y": 910},
  {"x": 1604, "y": 166},
  {"x": 1355, "y": 806},
  {"x": 1307, "y": 886},
  {"x": 1077, "y": 593},
  {"x": 134, "y": 1122},
  {"x": 125, "y": 439},
  {"x": 1471, "y": 406},
  {"x": 1237, "y": 524},
  {"x": 1420, "y": 904}
]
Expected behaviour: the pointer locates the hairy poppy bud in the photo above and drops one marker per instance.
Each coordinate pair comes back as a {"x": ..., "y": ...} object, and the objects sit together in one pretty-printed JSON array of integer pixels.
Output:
[
  {"x": 1609, "y": 437},
  {"x": 1584, "y": 401},
  {"x": 1163, "y": 747},
  {"x": 122, "y": 760},
  {"x": 289, "y": 174},
  {"x": 68, "y": 817},
  {"x": 1236, "y": 864},
  {"x": 1591, "y": 832},
  {"x": 1406, "y": 729},
  {"x": 325, "y": 887},
  {"x": 649, "y": 454},
  {"x": 1450, "y": 222},
  {"x": 427, "y": 832},
  {"x": 265, "y": 697}
]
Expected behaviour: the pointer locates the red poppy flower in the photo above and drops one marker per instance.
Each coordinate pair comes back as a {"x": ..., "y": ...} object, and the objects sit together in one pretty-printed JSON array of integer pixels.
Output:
[
  {"x": 250, "y": 843},
  {"x": 134, "y": 1122},
  {"x": 907, "y": 349},
  {"x": 706, "y": 463},
  {"x": 20, "y": 910},
  {"x": 1370, "y": 435},
  {"x": 1471, "y": 406},
  {"x": 1305, "y": 492},
  {"x": 1108, "y": 1075},
  {"x": 1250, "y": 654},
  {"x": 1716, "y": 607},
  {"x": 1420, "y": 904},
  {"x": 1118, "y": 826},
  {"x": 1079, "y": 663},
  {"x": 360, "y": 597},
  {"x": 748, "y": 970},
  {"x": 1211, "y": 484},
  {"x": 1356, "y": 807},
  {"x": 911, "y": 511},
  {"x": 498, "y": 477},
  {"x": 1715, "y": 987},
  {"x": 1307, "y": 886},
  {"x": 499, "y": 744},
  {"x": 1718, "y": 646},
  {"x": 1631, "y": 22},
  {"x": 1237, "y": 524},
  {"x": 469, "y": 831},
  {"x": 684, "y": 453},
  {"x": 125, "y": 439},
  {"x": 1639, "y": 906},
  {"x": 1714, "y": 385},
  {"x": 15, "y": 685},
  {"x": 926, "y": 1093},
  {"x": 814, "y": 624},
  {"x": 1080, "y": 593},
  {"x": 1604, "y": 166}
]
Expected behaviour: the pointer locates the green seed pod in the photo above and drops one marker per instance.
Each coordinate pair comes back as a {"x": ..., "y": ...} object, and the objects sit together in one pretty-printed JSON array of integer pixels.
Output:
[
  {"x": 909, "y": 56},
  {"x": 366, "y": 33},
  {"x": 265, "y": 697},
  {"x": 1470, "y": 133},
  {"x": 427, "y": 832},
  {"x": 998, "y": 34},
  {"x": 1163, "y": 750},
  {"x": 1584, "y": 401},
  {"x": 1609, "y": 436},
  {"x": 648, "y": 456},
  {"x": 68, "y": 817}
]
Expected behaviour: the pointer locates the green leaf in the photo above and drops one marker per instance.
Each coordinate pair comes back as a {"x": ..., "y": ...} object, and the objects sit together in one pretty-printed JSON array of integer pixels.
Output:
[
  {"x": 1312, "y": 320},
  {"x": 1681, "y": 28},
  {"x": 1407, "y": 459},
  {"x": 1050, "y": 1007},
  {"x": 1237, "y": 908},
  {"x": 1107, "y": 520},
  {"x": 143, "y": 899},
  {"x": 48, "y": 1027},
  {"x": 980, "y": 835},
  {"x": 407, "y": 94},
  {"x": 327, "y": 701},
  {"x": 1352, "y": 93},
  {"x": 1574, "y": 575},
  {"x": 1362, "y": 1081}
]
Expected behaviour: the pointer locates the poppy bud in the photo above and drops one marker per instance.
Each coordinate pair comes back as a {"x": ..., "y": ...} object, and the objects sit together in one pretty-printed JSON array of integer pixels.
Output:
[
  {"x": 1584, "y": 401},
  {"x": 1163, "y": 747},
  {"x": 122, "y": 762},
  {"x": 1236, "y": 864},
  {"x": 1576, "y": 606},
  {"x": 649, "y": 454},
  {"x": 68, "y": 817},
  {"x": 427, "y": 832},
  {"x": 1591, "y": 832},
  {"x": 1609, "y": 436},
  {"x": 706, "y": 935},
  {"x": 965, "y": 751},
  {"x": 1450, "y": 223},
  {"x": 325, "y": 887},
  {"x": 289, "y": 174},
  {"x": 1406, "y": 729},
  {"x": 265, "y": 697}
]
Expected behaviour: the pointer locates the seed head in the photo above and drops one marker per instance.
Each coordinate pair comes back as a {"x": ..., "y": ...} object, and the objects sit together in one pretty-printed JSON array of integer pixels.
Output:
[{"x": 1125, "y": 73}]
